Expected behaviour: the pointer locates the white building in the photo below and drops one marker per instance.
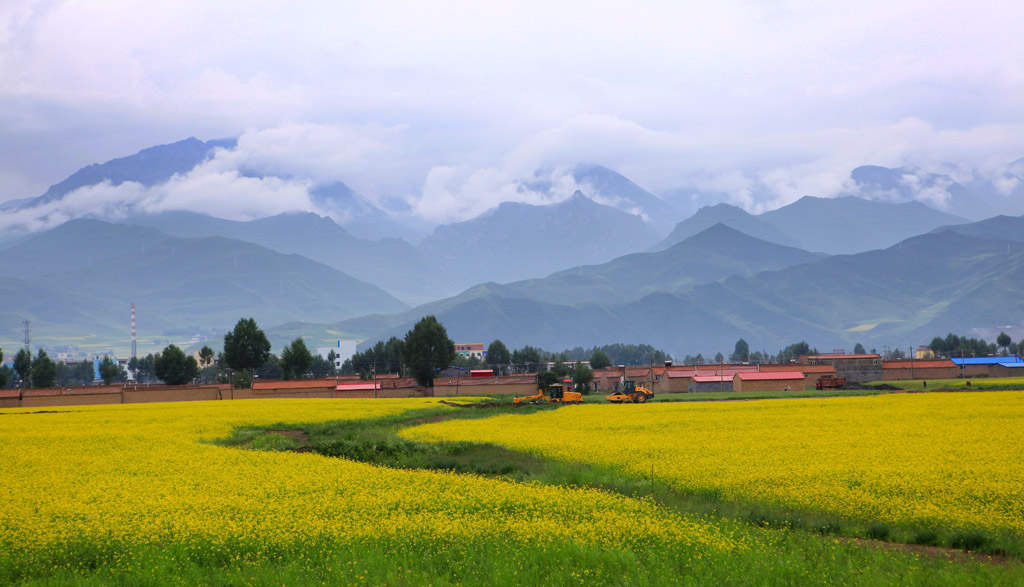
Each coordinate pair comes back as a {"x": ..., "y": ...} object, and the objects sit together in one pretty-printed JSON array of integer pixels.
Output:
[{"x": 343, "y": 351}]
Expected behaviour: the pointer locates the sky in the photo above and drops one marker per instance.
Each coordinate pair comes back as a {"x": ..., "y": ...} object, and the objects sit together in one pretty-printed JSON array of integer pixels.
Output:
[{"x": 442, "y": 109}]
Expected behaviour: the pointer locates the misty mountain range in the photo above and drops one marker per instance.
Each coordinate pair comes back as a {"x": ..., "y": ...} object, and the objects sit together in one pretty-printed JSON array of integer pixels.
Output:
[{"x": 612, "y": 263}]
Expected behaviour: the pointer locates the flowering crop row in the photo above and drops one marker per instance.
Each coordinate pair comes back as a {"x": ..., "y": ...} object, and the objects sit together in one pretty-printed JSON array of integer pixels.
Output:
[
  {"x": 948, "y": 460},
  {"x": 136, "y": 493},
  {"x": 143, "y": 474}
]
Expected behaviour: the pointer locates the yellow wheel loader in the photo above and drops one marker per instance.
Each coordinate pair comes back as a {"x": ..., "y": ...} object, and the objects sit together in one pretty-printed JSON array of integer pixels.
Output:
[
  {"x": 555, "y": 394},
  {"x": 631, "y": 392}
]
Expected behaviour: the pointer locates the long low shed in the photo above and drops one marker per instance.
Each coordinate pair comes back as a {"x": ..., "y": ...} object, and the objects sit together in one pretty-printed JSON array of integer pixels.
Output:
[
  {"x": 709, "y": 383},
  {"x": 768, "y": 381}
]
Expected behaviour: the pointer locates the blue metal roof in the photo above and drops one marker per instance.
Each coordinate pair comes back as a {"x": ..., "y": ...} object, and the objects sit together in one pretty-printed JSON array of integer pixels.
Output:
[{"x": 1007, "y": 361}]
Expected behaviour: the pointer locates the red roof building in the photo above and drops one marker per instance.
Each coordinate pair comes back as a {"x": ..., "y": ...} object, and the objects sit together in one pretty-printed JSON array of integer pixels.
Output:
[{"x": 769, "y": 381}]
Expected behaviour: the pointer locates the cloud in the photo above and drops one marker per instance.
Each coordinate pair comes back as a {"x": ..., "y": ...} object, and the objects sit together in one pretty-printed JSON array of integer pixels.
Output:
[
  {"x": 205, "y": 189},
  {"x": 272, "y": 170},
  {"x": 694, "y": 90},
  {"x": 321, "y": 153},
  {"x": 455, "y": 193}
]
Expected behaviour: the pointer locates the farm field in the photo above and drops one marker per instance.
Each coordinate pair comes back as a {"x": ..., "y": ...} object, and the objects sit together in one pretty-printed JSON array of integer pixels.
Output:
[
  {"x": 140, "y": 494},
  {"x": 976, "y": 384},
  {"x": 944, "y": 463},
  {"x": 682, "y": 396}
]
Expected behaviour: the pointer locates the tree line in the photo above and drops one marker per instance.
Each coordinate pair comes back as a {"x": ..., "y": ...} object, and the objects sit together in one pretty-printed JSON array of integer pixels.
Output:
[
  {"x": 424, "y": 350},
  {"x": 954, "y": 346},
  {"x": 42, "y": 371}
]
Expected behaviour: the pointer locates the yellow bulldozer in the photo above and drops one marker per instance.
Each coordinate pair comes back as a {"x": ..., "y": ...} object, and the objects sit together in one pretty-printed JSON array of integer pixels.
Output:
[
  {"x": 554, "y": 394},
  {"x": 631, "y": 392}
]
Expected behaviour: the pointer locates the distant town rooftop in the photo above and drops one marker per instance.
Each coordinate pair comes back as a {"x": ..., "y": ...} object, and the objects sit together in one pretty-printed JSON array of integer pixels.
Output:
[{"x": 987, "y": 360}]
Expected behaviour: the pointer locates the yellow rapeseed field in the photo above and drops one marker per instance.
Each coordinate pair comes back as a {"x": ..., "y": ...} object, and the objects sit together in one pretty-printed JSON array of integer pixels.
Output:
[
  {"x": 136, "y": 494},
  {"x": 140, "y": 474},
  {"x": 942, "y": 460}
]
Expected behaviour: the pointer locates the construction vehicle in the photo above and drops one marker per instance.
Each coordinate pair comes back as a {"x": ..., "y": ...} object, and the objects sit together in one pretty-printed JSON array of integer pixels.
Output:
[
  {"x": 829, "y": 382},
  {"x": 554, "y": 394},
  {"x": 631, "y": 392}
]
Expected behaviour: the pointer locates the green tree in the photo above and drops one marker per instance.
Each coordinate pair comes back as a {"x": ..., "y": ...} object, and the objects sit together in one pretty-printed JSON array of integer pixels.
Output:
[
  {"x": 546, "y": 378},
  {"x": 599, "y": 359},
  {"x": 467, "y": 361},
  {"x": 145, "y": 371},
  {"x": 634, "y": 354},
  {"x": 241, "y": 380},
  {"x": 270, "y": 369},
  {"x": 1003, "y": 340},
  {"x": 174, "y": 368},
  {"x": 296, "y": 359},
  {"x": 741, "y": 352},
  {"x": 719, "y": 358},
  {"x": 526, "y": 359},
  {"x": 560, "y": 368},
  {"x": 246, "y": 347},
  {"x": 3, "y": 372},
  {"x": 795, "y": 350},
  {"x": 205, "y": 356},
  {"x": 427, "y": 348},
  {"x": 44, "y": 370},
  {"x": 23, "y": 366},
  {"x": 84, "y": 373},
  {"x": 858, "y": 349},
  {"x": 582, "y": 376},
  {"x": 383, "y": 357},
  {"x": 109, "y": 370},
  {"x": 498, "y": 356},
  {"x": 321, "y": 367}
]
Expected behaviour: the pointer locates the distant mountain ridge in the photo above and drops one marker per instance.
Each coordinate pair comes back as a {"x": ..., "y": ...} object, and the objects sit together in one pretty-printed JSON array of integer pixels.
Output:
[
  {"x": 907, "y": 184},
  {"x": 156, "y": 165},
  {"x": 148, "y": 167},
  {"x": 620, "y": 192},
  {"x": 713, "y": 254},
  {"x": 1000, "y": 228},
  {"x": 842, "y": 225},
  {"x": 905, "y": 294},
  {"x": 730, "y": 216},
  {"x": 517, "y": 241},
  {"x": 91, "y": 271},
  {"x": 850, "y": 225},
  {"x": 392, "y": 264}
]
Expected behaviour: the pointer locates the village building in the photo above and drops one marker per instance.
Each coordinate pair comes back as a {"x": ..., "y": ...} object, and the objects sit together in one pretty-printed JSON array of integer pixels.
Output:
[
  {"x": 811, "y": 372},
  {"x": 475, "y": 349},
  {"x": 768, "y": 381},
  {"x": 926, "y": 369},
  {"x": 678, "y": 379},
  {"x": 854, "y": 368},
  {"x": 989, "y": 366},
  {"x": 709, "y": 383}
]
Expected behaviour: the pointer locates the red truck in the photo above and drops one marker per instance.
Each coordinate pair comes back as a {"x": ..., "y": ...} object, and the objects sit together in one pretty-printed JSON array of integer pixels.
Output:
[{"x": 829, "y": 382}]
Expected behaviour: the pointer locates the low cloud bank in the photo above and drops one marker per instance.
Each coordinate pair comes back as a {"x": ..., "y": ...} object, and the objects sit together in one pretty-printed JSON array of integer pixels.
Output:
[{"x": 273, "y": 170}]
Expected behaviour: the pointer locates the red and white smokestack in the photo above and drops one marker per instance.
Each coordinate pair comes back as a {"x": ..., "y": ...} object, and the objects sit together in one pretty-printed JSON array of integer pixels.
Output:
[{"x": 133, "y": 331}]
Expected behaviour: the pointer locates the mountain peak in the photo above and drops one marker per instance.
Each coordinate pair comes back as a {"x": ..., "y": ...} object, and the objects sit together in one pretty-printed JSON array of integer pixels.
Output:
[
  {"x": 720, "y": 233},
  {"x": 728, "y": 216}
]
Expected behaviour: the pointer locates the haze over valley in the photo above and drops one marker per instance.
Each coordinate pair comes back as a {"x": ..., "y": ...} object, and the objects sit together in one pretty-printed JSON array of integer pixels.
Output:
[
  {"x": 588, "y": 269},
  {"x": 676, "y": 187}
]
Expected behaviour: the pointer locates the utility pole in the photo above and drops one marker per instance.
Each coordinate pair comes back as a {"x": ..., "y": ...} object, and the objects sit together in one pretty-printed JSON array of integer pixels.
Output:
[{"x": 28, "y": 336}]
